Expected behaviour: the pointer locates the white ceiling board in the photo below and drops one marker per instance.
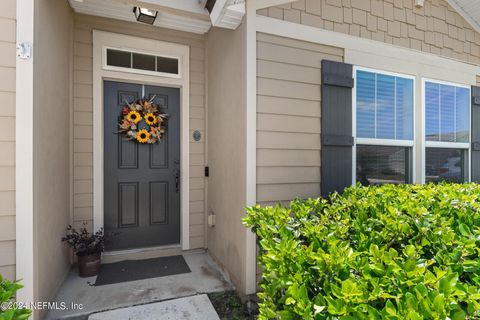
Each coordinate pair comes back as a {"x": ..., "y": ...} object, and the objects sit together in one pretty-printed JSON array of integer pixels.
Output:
[
  {"x": 123, "y": 11},
  {"x": 194, "y": 6}
]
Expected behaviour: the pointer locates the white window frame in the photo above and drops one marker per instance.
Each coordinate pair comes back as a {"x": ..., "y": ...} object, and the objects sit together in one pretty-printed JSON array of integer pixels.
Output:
[
  {"x": 105, "y": 66},
  {"x": 382, "y": 142},
  {"x": 446, "y": 145}
]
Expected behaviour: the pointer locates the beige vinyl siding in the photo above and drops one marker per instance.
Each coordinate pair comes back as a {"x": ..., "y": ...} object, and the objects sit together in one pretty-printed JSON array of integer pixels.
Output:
[
  {"x": 83, "y": 116},
  {"x": 226, "y": 150},
  {"x": 7, "y": 138},
  {"x": 288, "y": 117},
  {"x": 435, "y": 28},
  {"x": 51, "y": 157}
]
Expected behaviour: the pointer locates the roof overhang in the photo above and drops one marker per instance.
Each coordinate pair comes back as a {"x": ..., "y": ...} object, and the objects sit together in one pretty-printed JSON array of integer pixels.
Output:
[
  {"x": 469, "y": 10},
  {"x": 226, "y": 13},
  {"x": 183, "y": 15}
]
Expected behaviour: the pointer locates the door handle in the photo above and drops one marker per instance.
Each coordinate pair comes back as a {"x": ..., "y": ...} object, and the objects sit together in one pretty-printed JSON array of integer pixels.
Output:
[{"x": 177, "y": 182}]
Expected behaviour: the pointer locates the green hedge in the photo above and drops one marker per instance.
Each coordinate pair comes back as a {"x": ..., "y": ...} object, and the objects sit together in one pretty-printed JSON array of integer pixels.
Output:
[
  {"x": 8, "y": 309},
  {"x": 387, "y": 252}
]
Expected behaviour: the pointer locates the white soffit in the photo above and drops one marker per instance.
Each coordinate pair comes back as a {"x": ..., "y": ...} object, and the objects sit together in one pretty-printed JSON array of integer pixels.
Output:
[
  {"x": 194, "y": 6},
  {"x": 228, "y": 13},
  {"x": 122, "y": 10},
  {"x": 469, "y": 10}
]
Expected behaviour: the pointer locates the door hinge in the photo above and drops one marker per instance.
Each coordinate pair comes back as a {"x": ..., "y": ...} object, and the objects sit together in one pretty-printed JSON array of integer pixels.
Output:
[{"x": 207, "y": 171}]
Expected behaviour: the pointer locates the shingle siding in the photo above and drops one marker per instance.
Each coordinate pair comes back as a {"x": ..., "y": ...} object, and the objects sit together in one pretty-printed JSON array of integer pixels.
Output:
[{"x": 435, "y": 28}]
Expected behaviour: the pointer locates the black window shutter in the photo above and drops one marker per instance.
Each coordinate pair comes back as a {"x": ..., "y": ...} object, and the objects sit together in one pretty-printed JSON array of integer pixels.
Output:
[
  {"x": 336, "y": 126},
  {"x": 475, "y": 134}
]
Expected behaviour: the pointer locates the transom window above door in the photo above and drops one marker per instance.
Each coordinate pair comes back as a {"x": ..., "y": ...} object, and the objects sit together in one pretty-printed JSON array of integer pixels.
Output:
[
  {"x": 447, "y": 131},
  {"x": 384, "y": 120},
  {"x": 138, "y": 62}
]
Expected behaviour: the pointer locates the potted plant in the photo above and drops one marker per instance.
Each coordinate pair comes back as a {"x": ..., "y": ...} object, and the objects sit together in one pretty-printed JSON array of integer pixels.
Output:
[{"x": 88, "y": 247}]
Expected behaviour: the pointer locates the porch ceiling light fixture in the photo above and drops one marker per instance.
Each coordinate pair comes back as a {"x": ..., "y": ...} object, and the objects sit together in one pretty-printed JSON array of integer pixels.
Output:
[{"x": 145, "y": 15}]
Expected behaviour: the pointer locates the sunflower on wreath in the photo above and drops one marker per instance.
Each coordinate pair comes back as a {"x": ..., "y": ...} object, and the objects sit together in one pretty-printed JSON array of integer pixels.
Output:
[{"x": 142, "y": 121}]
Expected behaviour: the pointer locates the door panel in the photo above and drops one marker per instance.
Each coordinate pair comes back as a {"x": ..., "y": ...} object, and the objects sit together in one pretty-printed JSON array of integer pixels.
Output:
[
  {"x": 141, "y": 181},
  {"x": 128, "y": 204},
  {"x": 158, "y": 202},
  {"x": 159, "y": 154},
  {"x": 127, "y": 154}
]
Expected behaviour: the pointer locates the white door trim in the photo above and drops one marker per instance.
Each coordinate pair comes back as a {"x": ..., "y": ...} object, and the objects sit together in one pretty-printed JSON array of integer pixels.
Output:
[
  {"x": 24, "y": 219},
  {"x": 251, "y": 142},
  {"x": 103, "y": 39}
]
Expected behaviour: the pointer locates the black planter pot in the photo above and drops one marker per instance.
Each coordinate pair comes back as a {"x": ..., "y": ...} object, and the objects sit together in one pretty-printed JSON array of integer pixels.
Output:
[{"x": 88, "y": 265}]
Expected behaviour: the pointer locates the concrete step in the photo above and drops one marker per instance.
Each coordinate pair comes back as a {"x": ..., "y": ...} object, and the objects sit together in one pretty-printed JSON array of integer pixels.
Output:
[
  {"x": 196, "y": 307},
  {"x": 205, "y": 277}
]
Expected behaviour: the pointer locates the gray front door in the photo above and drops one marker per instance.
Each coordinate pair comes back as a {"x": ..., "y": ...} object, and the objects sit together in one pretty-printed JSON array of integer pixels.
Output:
[{"x": 141, "y": 181}]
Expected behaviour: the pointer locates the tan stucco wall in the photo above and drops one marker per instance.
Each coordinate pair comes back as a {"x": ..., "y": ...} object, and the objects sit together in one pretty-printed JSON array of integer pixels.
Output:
[
  {"x": 436, "y": 28},
  {"x": 83, "y": 115},
  {"x": 226, "y": 150},
  {"x": 7, "y": 138},
  {"x": 288, "y": 117},
  {"x": 52, "y": 109}
]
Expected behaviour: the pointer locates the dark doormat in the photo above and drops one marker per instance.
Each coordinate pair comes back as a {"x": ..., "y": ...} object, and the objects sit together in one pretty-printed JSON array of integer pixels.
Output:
[{"x": 131, "y": 270}]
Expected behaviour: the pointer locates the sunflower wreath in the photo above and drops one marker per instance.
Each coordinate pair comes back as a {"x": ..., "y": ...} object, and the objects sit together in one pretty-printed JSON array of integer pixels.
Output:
[{"x": 142, "y": 121}]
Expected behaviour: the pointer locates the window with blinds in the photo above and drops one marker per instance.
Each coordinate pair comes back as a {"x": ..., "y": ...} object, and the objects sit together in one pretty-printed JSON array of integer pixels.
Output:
[
  {"x": 445, "y": 164},
  {"x": 446, "y": 112},
  {"x": 447, "y": 131},
  {"x": 382, "y": 164},
  {"x": 384, "y": 106}
]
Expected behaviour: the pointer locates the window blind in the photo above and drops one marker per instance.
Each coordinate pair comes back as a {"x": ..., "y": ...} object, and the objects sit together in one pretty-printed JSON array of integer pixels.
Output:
[
  {"x": 384, "y": 106},
  {"x": 446, "y": 113}
]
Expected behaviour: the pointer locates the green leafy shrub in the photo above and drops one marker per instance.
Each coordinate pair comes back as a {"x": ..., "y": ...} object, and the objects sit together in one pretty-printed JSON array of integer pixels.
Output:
[
  {"x": 386, "y": 252},
  {"x": 8, "y": 310}
]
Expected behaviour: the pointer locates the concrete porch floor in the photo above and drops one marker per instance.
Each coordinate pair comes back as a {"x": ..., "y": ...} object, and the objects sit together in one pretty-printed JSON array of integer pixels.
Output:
[{"x": 205, "y": 277}]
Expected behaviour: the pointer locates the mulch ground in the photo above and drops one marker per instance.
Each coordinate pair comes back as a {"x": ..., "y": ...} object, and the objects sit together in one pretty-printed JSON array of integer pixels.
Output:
[{"x": 229, "y": 306}]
